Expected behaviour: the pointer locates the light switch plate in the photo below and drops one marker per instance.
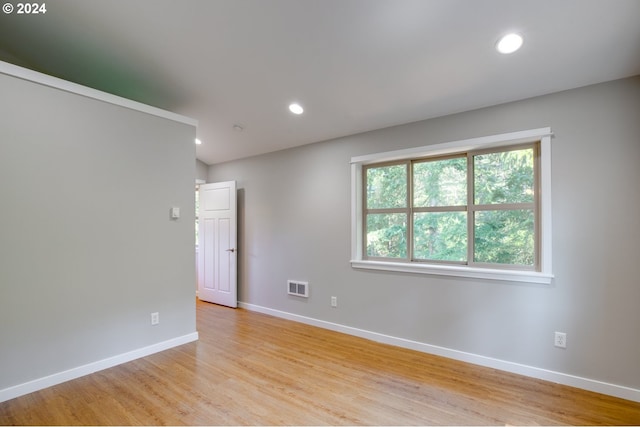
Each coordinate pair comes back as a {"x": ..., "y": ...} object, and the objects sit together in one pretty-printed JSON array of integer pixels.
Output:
[{"x": 175, "y": 213}]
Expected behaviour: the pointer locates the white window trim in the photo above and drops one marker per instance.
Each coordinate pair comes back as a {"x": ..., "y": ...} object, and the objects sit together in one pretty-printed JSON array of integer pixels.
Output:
[{"x": 544, "y": 276}]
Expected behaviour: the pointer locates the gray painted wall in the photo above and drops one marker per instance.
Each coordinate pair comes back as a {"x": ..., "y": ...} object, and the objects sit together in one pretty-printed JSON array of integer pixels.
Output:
[
  {"x": 202, "y": 170},
  {"x": 294, "y": 208},
  {"x": 87, "y": 249}
]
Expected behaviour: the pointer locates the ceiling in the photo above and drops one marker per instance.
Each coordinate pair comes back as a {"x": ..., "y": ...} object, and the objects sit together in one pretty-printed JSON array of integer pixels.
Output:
[{"x": 354, "y": 65}]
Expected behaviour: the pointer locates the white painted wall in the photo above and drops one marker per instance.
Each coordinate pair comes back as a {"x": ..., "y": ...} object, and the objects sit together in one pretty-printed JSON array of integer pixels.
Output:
[
  {"x": 294, "y": 224},
  {"x": 87, "y": 249}
]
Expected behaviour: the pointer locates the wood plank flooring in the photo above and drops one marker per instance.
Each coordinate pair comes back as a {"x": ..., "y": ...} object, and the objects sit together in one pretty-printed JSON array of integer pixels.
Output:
[{"x": 252, "y": 369}]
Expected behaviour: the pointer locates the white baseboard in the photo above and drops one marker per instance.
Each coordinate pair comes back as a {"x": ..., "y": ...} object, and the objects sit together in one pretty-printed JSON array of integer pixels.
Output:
[
  {"x": 503, "y": 365},
  {"x": 60, "y": 377}
]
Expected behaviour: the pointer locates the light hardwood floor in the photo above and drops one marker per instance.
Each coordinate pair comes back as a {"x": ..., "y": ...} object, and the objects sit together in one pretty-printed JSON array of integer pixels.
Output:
[{"x": 249, "y": 368}]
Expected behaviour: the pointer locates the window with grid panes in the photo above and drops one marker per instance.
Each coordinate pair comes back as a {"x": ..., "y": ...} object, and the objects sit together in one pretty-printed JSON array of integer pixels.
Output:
[{"x": 476, "y": 208}]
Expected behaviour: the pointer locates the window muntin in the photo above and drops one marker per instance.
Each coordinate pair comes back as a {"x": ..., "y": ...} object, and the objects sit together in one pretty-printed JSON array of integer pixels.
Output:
[
  {"x": 439, "y": 190},
  {"x": 478, "y": 208},
  {"x": 386, "y": 203}
]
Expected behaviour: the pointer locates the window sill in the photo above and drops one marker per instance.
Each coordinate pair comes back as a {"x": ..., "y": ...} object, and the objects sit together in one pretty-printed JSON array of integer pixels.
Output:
[{"x": 456, "y": 271}]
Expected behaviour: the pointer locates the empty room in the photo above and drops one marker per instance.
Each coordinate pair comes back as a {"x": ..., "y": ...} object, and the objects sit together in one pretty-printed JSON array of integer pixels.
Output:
[{"x": 319, "y": 212}]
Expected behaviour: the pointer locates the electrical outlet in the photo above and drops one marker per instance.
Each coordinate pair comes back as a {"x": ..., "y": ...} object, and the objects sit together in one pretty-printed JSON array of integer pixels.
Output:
[
  {"x": 155, "y": 318},
  {"x": 334, "y": 301},
  {"x": 560, "y": 340}
]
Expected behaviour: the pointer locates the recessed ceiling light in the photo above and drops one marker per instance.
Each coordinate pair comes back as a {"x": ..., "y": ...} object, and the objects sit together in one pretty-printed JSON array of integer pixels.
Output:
[
  {"x": 296, "y": 108},
  {"x": 509, "y": 43},
  {"x": 198, "y": 142}
]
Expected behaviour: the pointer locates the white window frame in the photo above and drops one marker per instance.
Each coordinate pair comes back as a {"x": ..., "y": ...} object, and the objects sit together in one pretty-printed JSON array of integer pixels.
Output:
[{"x": 544, "y": 276}]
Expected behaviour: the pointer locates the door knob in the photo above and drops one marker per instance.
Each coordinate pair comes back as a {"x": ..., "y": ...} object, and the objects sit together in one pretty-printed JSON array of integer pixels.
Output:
[{"x": 231, "y": 250}]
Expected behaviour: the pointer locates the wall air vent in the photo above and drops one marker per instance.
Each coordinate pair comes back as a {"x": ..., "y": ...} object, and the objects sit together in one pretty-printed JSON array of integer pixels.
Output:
[{"x": 298, "y": 288}]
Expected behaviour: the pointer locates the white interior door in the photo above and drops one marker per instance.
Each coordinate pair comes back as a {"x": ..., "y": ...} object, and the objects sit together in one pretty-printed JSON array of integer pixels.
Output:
[{"x": 217, "y": 251}]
